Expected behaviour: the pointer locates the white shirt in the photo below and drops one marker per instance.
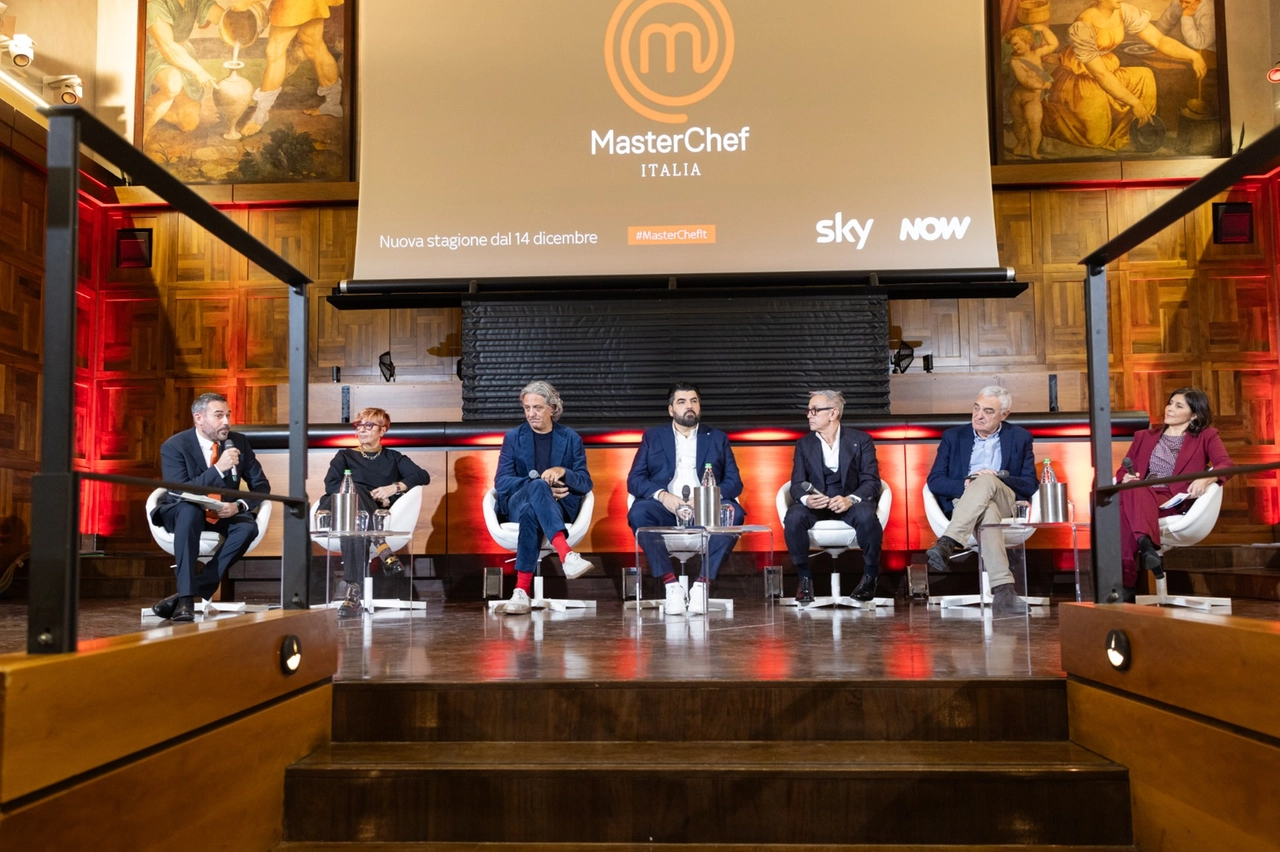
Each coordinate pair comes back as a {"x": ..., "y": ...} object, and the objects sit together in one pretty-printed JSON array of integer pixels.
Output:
[
  {"x": 206, "y": 447},
  {"x": 831, "y": 461},
  {"x": 686, "y": 472}
]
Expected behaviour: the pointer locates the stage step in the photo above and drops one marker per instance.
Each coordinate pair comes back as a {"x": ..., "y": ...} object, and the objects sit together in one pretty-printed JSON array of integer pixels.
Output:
[
  {"x": 1257, "y": 583},
  {"x": 1012, "y": 709},
  {"x": 709, "y": 792},
  {"x": 682, "y": 847}
]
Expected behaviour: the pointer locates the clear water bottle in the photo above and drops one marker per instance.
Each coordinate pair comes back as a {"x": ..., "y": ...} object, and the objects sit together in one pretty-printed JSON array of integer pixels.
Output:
[
  {"x": 1047, "y": 476},
  {"x": 347, "y": 486},
  {"x": 708, "y": 478}
]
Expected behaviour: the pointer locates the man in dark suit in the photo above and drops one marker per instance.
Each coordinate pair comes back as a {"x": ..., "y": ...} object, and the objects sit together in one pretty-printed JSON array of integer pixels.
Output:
[
  {"x": 670, "y": 458},
  {"x": 839, "y": 468},
  {"x": 186, "y": 458},
  {"x": 980, "y": 471},
  {"x": 541, "y": 480}
]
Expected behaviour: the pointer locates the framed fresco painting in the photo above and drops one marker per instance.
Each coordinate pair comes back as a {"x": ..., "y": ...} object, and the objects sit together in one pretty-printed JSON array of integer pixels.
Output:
[
  {"x": 247, "y": 91},
  {"x": 1081, "y": 80}
]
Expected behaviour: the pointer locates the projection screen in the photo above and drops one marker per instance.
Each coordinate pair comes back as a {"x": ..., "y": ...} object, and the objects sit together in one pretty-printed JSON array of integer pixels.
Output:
[{"x": 514, "y": 138}]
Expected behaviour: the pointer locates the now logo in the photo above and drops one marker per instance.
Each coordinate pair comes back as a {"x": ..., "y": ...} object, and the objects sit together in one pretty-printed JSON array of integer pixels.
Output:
[{"x": 933, "y": 228}]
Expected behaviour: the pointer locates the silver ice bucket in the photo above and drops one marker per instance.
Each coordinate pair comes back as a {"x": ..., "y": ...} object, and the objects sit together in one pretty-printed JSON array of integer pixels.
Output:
[
  {"x": 344, "y": 512},
  {"x": 1053, "y": 503},
  {"x": 706, "y": 506}
]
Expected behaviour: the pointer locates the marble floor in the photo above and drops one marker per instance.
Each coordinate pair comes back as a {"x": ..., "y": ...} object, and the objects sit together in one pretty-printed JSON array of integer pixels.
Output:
[{"x": 466, "y": 642}]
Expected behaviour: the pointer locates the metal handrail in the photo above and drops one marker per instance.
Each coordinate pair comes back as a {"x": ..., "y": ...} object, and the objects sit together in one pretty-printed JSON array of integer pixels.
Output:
[{"x": 297, "y": 506}]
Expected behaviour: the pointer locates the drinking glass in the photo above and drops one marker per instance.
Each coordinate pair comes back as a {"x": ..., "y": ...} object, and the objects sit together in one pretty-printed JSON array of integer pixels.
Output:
[
  {"x": 324, "y": 520},
  {"x": 380, "y": 519},
  {"x": 726, "y": 514},
  {"x": 684, "y": 515},
  {"x": 362, "y": 520},
  {"x": 1022, "y": 511}
]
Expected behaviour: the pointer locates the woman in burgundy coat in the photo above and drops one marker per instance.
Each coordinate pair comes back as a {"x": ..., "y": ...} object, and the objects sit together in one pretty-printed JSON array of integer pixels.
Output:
[{"x": 1186, "y": 443}]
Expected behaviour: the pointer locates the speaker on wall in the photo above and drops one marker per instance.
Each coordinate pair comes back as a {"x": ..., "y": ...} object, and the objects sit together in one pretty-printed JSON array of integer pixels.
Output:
[{"x": 1232, "y": 222}]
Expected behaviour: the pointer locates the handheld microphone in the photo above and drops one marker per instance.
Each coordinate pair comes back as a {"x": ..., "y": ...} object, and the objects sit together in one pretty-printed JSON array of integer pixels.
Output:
[
  {"x": 1002, "y": 474},
  {"x": 684, "y": 494},
  {"x": 533, "y": 474},
  {"x": 227, "y": 443},
  {"x": 1127, "y": 464},
  {"x": 807, "y": 488}
]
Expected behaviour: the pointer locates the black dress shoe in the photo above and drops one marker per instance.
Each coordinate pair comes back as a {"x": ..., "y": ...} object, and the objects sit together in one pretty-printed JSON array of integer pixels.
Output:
[
  {"x": 941, "y": 552},
  {"x": 184, "y": 610},
  {"x": 804, "y": 595},
  {"x": 866, "y": 589},
  {"x": 1149, "y": 557},
  {"x": 391, "y": 565},
  {"x": 164, "y": 609}
]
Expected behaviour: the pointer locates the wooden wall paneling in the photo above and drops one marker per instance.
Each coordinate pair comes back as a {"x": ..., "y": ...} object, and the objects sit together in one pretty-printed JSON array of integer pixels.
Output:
[
  {"x": 199, "y": 256},
  {"x": 1169, "y": 248},
  {"x": 22, "y": 213},
  {"x": 128, "y": 422},
  {"x": 335, "y": 245},
  {"x": 1158, "y": 323},
  {"x": 935, "y": 327},
  {"x": 265, "y": 330},
  {"x": 1006, "y": 332},
  {"x": 83, "y": 445},
  {"x": 118, "y": 510},
  {"x": 289, "y": 232},
  {"x": 15, "y": 509},
  {"x": 88, "y": 255},
  {"x": 1061, "y": 317},
  {"x": 179, "y": 393},
  {"x": 1236, "y": 314},
  {"x": 205, "y": 341},
  {"x": 86, "y": 346},
  {"x": 134, "y": 334},
  {"x": 21, "y": 313},
  {"x": 1151, "y": 387},
  {"x": 1015, "y": 226},
  {"x": 425, "y": 341},
  {"x": 1067, "y": 225},
  {"x": 351, "y": 340},
  {"x": 259, "y": 400},
  {"x": 162, "y": 248}
]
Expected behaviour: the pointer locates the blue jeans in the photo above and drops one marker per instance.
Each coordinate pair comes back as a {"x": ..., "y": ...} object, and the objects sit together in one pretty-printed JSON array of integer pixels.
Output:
[
  {"x": 651, "y": 513},
  {"x": 539, "y": 515}
]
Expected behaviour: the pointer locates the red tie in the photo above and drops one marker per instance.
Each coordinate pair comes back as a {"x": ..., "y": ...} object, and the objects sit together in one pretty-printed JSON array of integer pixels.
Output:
[{"x": 209, "y": 515}]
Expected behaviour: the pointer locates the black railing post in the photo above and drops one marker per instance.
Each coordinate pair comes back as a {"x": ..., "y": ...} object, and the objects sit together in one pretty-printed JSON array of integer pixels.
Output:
[
  {"x": 1106, "y": 516},
  {"x": 295, "y": 591},
  {"x": 55, "y": 491}
]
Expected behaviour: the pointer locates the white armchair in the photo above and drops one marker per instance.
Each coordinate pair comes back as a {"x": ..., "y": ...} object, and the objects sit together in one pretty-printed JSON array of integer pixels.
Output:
[
  {"x": 834, "y": 538},
  {"x": 1184, "y": 531},
  {"x": 506, "y": 534},
  {"x": 210, "y": 541}
]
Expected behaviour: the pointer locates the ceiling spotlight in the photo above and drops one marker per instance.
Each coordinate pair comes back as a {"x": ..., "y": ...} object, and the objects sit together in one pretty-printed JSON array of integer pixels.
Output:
[
  {"x": 63, "y": 88},
  {"x": 22, "y": 50}
]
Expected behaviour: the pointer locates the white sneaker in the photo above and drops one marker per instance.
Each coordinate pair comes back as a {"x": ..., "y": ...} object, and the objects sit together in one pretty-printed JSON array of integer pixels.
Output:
[
  {"x": 575, "y": 565},
  {"x": 675, "y": 599},
  {"x": 698, "y": 598},
  {"x": 518, "y": 605}
]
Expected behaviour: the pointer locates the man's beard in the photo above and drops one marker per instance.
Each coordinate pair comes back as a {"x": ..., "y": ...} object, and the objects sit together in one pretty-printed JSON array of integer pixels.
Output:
[{"x": 689, "y": 418}]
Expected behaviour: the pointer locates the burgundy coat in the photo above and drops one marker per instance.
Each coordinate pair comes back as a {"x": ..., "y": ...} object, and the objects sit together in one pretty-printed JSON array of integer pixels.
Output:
[{"x": 1199, "y": 452}]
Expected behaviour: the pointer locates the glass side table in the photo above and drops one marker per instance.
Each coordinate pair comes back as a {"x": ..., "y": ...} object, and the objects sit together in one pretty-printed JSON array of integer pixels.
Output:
[
  {"x": 331, "y": 541},
  {"x": 684, "y": 543}
]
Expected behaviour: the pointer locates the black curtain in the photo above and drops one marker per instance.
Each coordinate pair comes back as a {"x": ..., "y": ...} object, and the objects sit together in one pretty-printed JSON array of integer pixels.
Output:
[{"x": 752, "y": 358}]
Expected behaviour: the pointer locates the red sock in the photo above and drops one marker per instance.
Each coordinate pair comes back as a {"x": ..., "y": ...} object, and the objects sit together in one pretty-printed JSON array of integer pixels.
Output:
[
  {"x": 524, "y": 581},
  {"x": 668, "y": 578},
  {"x": 561, "y": 544}
]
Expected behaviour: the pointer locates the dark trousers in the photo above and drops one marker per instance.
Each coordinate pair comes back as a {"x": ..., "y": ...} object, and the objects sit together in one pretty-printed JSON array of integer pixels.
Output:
[
  {"x": 540, "y": 515},
  {"x": 186, "y": 522},
  {"x": 651, "y": 513},
  {"x": 1140, "y": 515},
  {"x": 861, "y": 516}
]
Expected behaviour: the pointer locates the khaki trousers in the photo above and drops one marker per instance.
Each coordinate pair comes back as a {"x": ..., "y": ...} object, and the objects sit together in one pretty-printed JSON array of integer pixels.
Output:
[{"x": 985, "y": 501}]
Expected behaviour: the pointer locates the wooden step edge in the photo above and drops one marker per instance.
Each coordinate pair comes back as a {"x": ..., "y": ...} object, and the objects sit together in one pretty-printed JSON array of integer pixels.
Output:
[{"x": 446, "y": 846}]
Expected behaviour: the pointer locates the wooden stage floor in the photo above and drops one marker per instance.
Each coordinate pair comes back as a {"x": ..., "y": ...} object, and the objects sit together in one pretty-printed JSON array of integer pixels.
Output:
[{"x": 463, "y": 642}]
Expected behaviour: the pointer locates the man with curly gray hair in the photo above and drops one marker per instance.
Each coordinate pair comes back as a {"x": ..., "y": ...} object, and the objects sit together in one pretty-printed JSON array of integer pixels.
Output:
[{"x": 541, "y": 480}]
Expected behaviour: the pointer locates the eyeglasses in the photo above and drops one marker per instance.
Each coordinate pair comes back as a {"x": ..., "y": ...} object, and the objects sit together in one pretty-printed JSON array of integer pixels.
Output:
[
  {"x": 812, "y": 411},
  {"x": 362, "y": 425}
]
